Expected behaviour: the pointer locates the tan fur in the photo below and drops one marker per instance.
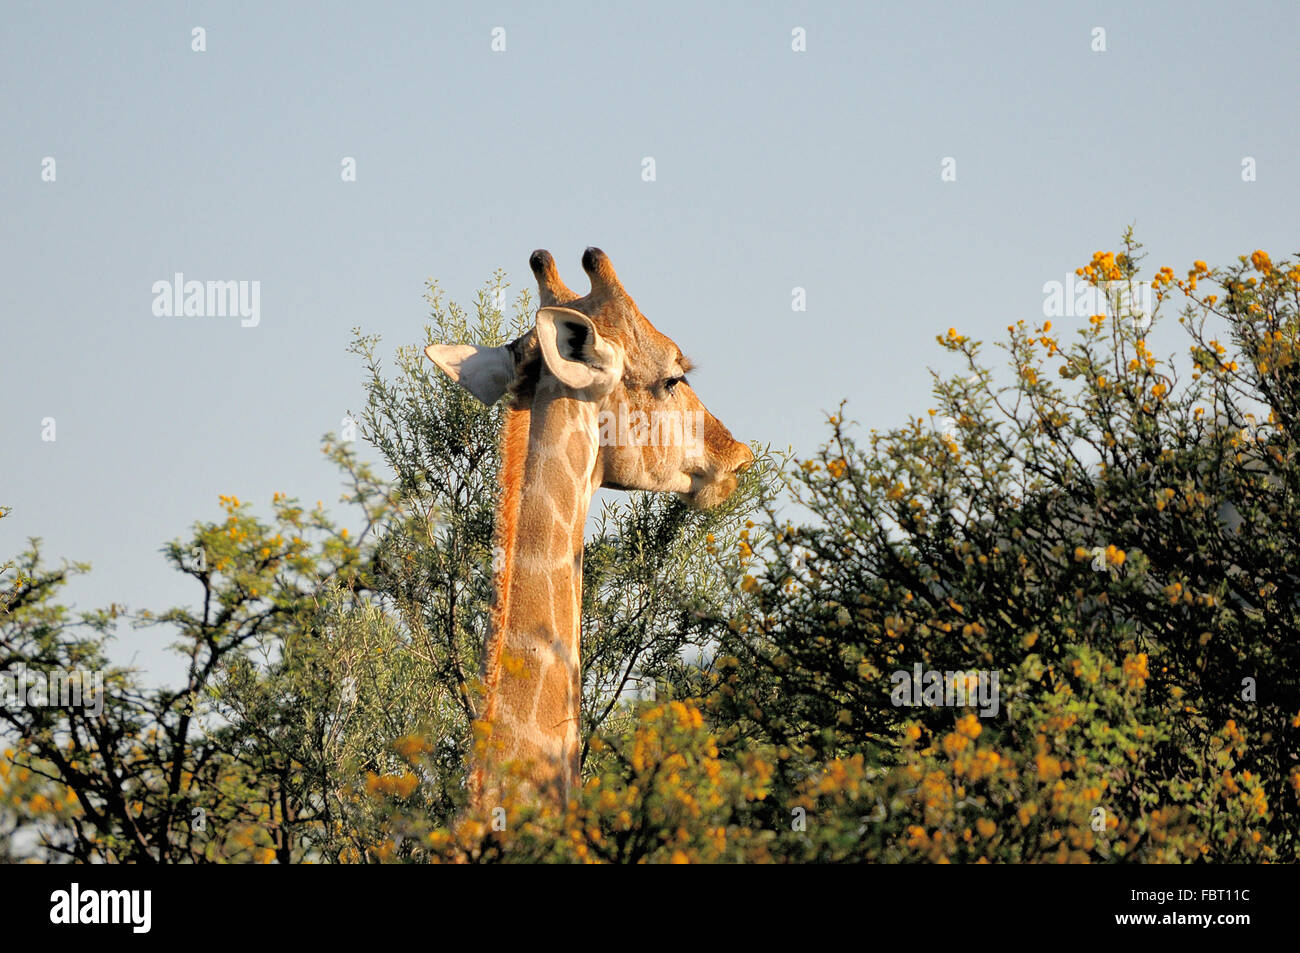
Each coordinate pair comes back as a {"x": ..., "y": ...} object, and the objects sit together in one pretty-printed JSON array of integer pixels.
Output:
[
  {"x": 514, "y": 452},
  {"x": 552, "y": 463}
]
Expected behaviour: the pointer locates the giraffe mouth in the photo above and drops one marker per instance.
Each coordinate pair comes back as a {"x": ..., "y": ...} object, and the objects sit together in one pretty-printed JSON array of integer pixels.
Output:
[{"x": 710, "y": 488}]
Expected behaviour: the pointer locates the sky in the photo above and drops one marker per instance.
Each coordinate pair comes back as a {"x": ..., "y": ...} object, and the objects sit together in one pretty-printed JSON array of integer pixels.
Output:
[{"x": 913, "y": 167}]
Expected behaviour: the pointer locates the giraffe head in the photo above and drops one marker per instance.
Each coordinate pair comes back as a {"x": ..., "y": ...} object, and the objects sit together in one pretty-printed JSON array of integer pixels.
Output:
[{"x": 599, "y": 350}]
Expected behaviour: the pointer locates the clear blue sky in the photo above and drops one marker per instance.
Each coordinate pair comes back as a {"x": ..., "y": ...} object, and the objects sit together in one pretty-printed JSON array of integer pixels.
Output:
[{"x": 775, "y": 169}]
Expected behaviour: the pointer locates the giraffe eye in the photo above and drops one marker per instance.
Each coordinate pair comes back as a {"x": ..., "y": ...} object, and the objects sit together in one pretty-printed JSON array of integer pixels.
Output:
[{"x": 673, "y": 382}]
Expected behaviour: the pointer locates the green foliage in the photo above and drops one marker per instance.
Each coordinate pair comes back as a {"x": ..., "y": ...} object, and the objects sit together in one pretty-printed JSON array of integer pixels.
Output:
[
  {"x": 1118, "y": 546},
  {"x": 1109, "y": 532},
  {"x": 333, "y": 674},
  {"x": 182, "y": 773}
]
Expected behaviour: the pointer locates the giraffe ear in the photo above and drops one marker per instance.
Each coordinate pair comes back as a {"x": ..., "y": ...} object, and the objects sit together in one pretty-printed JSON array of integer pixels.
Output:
[
  {"x": 575, "y": 352},
  {"x": 486, "y": 372}
]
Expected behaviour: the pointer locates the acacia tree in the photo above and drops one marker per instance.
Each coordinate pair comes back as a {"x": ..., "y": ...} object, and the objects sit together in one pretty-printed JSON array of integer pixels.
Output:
[
  {"x": 333, "y": 672},
  {"x": 179, "y": 773},
  {"x": 1110, "y": 531}
]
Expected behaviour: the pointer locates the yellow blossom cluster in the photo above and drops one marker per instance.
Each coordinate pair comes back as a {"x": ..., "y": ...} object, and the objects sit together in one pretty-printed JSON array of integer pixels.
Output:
[{"x": 1105, "y": 266}]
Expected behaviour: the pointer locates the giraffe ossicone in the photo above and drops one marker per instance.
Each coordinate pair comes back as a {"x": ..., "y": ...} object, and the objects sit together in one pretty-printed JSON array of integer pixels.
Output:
[{"x": 598, "y": 398}]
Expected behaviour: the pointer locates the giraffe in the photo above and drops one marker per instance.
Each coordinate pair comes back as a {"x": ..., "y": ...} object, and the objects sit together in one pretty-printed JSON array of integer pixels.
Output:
[{"x": 599, "y": 398}]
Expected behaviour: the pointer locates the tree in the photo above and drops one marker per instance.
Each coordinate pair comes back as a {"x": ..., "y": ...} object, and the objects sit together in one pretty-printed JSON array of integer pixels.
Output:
[
  {"x": 1111, "y": 537},
  {"x": 1054, "y": 619},
  {"x": 332, "y": 674}
]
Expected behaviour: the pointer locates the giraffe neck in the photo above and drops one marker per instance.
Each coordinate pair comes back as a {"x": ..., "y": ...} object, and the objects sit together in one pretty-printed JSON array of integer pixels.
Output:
[{"x": 533, "y": 672}]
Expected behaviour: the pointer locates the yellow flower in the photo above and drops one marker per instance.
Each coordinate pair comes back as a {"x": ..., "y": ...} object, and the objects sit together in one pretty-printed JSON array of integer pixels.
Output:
[
  {"x": 1135, "y": 668},
  {"x": 410, "y": 747},
  {"x": 398, "y": 785},
  {"x": 1049, "y": 768},
  {"x": 970, "y": 726}
]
